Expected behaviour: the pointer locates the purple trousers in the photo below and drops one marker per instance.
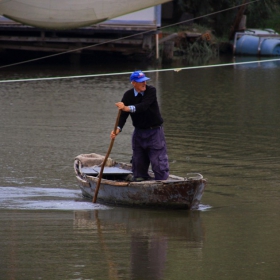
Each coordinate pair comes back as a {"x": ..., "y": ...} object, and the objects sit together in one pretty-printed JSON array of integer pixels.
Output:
[{"x": 149, "y": 147}]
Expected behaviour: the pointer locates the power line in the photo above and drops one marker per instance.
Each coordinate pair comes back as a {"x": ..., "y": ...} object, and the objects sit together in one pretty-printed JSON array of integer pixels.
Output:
[{"x": 146, "y": 71}]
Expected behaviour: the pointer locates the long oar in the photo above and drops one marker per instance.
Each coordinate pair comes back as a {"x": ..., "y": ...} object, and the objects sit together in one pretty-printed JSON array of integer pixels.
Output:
[{"x": 105, "y": 159}]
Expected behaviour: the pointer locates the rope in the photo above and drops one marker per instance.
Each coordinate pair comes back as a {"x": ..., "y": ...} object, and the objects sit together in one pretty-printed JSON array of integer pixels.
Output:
[
  {"x": 146, "y": 71},
  {"x": 129, "y": 36}
]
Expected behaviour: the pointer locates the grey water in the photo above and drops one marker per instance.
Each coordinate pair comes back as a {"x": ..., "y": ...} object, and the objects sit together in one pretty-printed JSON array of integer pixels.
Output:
[{"x": 222, "y": 122}]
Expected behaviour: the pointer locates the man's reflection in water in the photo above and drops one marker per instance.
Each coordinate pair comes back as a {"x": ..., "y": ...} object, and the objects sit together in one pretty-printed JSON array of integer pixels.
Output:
[
  {"x": 142, "y": 238},
  {"x": 148, "y": 256}
]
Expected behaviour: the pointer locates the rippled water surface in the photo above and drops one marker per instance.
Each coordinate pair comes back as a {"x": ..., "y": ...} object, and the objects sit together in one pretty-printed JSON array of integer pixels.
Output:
[{"x": 222, "y": 122}]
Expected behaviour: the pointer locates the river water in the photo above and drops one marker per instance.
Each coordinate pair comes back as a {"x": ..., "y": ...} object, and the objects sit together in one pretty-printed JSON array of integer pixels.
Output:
[{"x": 222, "y": 122}]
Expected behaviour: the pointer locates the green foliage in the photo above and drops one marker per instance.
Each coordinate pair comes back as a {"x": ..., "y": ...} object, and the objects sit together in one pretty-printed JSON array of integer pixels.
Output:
[
  {"x": 273, "y": 22},
  {"x": 199, "y": 48},
  {"x": 258, "y": 13}
]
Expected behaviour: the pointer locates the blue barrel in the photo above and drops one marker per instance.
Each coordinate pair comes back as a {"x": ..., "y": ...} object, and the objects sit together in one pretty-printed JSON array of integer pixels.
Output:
[
  {"x": 249, "y": 44},
  {"x": 270, "y": 47}
]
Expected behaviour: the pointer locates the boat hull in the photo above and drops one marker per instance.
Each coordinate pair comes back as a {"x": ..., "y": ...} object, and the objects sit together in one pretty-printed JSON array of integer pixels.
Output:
[
  {"x": 115, "y": 188},
  {"x": 179, "y": 195},
  {"x": 176, "y": 192},
  {"x": 67, "y": 14}
]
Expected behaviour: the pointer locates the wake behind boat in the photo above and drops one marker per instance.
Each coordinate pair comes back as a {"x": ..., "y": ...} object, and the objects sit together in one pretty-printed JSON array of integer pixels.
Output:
[{"x": 117, "y": 188}]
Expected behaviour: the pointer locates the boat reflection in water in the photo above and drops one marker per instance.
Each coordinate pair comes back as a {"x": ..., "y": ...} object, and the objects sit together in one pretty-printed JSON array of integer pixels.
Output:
[
  {"x": 144, "y": 238},
  {"x": 249, "y": 62}
]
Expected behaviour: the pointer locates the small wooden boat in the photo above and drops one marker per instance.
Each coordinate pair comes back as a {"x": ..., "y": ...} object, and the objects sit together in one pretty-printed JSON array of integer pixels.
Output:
[{"x": 117, "y": 188}]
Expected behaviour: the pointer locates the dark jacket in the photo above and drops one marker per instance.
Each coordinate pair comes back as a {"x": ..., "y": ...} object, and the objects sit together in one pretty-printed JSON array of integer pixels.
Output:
[{"x": 147, "y": 110}]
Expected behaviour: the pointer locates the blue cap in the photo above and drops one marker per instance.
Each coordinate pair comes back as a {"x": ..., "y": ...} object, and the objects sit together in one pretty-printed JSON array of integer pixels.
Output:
[{"x": 138, "y": 76}]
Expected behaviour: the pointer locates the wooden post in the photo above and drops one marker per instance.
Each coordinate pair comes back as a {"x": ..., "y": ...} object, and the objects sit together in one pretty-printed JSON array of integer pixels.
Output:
[
  {"x": 157, "y": 47},
  {"x": 238, "y": 19}
]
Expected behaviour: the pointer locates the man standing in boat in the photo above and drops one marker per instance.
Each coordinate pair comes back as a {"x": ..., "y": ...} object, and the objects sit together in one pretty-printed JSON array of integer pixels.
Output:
[{"x": 148, "y": 140}]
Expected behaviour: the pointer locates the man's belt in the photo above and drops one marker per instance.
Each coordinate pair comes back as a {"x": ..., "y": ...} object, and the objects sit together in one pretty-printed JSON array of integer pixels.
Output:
[{"x": 149, "y": 128}]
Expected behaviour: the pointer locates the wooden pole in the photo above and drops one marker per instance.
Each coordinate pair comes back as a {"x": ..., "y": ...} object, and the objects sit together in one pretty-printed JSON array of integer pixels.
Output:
[
  {"x": 105, "y": 159},
  {"x": 238, "y": 19},
  {"x": 157, "y": 47}
]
